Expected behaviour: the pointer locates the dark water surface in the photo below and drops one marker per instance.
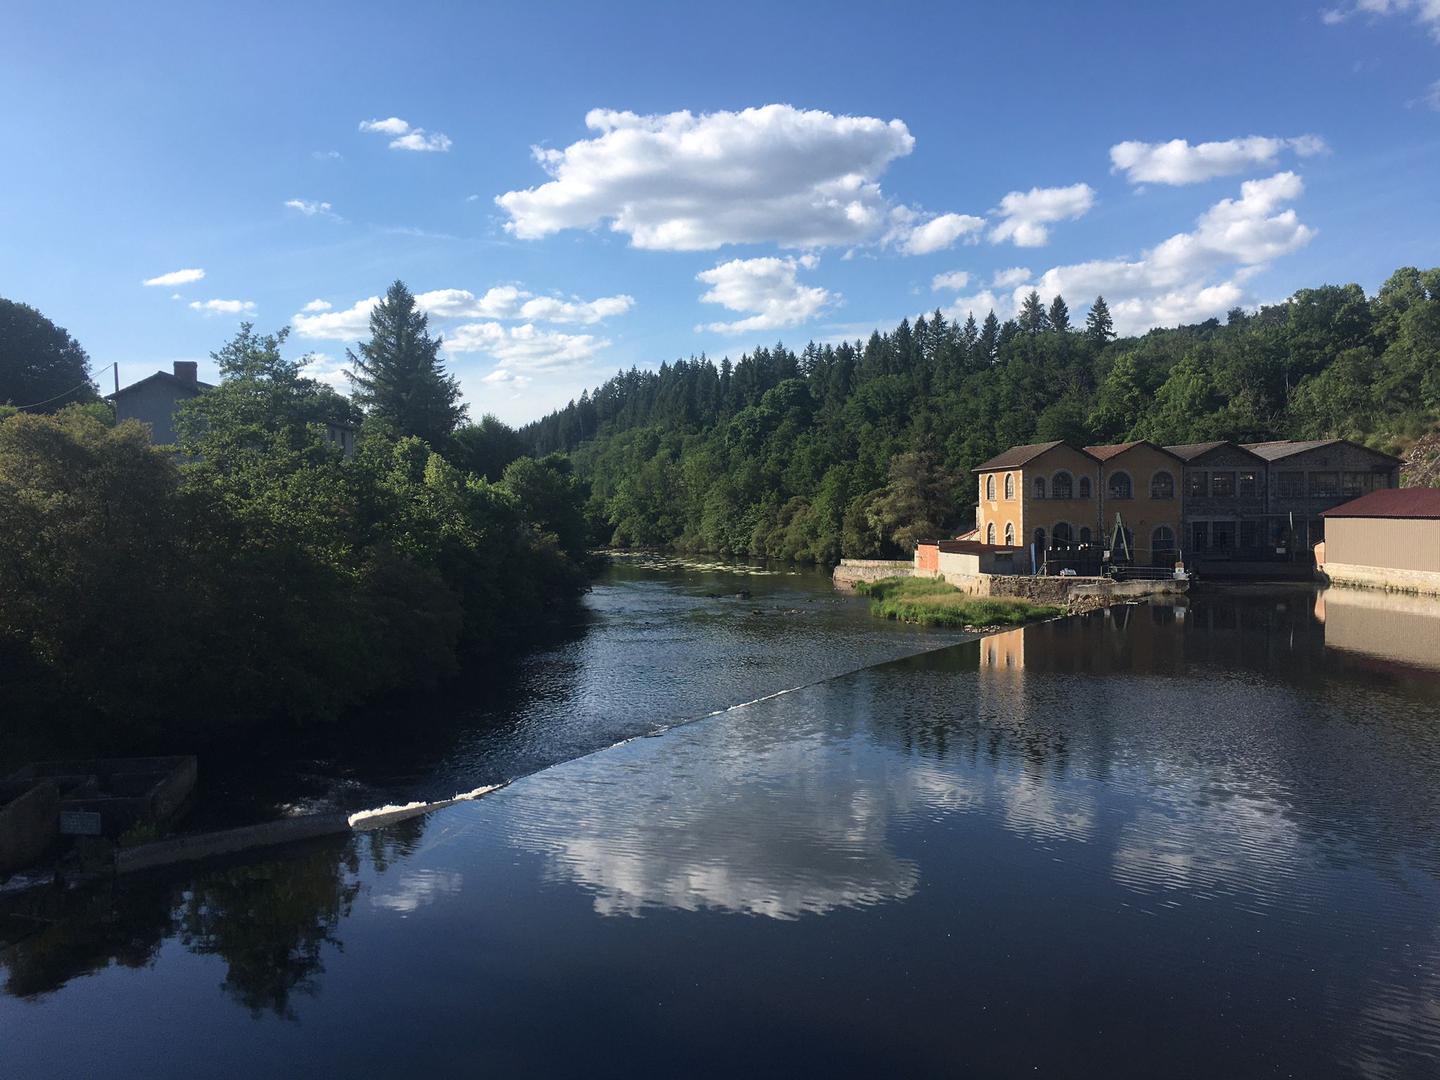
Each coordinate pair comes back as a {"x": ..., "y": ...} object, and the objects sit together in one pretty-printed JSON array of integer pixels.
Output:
[{"x": 1195, "y": 840}]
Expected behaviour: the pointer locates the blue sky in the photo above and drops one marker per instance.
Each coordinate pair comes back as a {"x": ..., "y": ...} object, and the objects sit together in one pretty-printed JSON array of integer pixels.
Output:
[{"x": 577, "y": 188}]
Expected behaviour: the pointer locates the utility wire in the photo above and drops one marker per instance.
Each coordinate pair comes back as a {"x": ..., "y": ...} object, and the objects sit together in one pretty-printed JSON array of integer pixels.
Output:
[{"x": 67, "y": 393}]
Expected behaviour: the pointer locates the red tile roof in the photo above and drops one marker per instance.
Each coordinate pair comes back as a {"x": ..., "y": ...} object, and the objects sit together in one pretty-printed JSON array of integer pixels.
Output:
[
  {"x": 1017, "y": 456},
  {"x": 1391, "y": 503}
]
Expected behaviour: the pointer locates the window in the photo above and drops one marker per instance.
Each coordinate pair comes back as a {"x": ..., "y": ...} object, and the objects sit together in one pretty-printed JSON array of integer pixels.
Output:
[
  {"x": 1248, "y": 536},
  {"x": 1290, "y": 485},
  {"x": 990, "y": 529},
  {"x": 1062, "y": 533},
  {"x": 1324, "y": 485},
  {"x": 1355, "y": 483},
  {"x": 1222, "y": 485},
  {"x": 990, "y": 488},
  {"x": 1085, "y": 535},
  {"x": 1222, "y": 535},
  {"x": 1249, "y": 485},
  {"x": 1162, "y": 543},
  {"x": 1009, "y": 534},
  {"x": 1084, "y": 487},
  {"x": 1062, "y": 486},
  {"x": 1039, "y": 486},
  {"x": 1199, "y": 483},
  {"x": 1200, "y": 535},
  {"x": 1162, "y": 486},
  {"x": 1009, "y": 485},
  {"x": 1120, "y": 485}
]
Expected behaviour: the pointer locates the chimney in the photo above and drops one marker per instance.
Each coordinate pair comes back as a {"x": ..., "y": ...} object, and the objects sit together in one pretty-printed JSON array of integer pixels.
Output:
[{"x": 185, "y": 370}]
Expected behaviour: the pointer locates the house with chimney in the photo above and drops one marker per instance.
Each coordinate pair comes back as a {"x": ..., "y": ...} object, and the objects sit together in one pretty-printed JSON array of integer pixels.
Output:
[{"x": 155, "y": 400}]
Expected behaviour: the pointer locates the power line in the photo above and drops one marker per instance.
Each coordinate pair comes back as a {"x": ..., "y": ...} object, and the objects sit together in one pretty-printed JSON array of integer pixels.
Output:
[{"x": 67, "y": 393}]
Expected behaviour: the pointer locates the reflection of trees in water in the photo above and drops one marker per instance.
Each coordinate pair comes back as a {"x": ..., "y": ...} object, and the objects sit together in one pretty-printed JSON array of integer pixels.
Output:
[{"x": 270, "y": 921}]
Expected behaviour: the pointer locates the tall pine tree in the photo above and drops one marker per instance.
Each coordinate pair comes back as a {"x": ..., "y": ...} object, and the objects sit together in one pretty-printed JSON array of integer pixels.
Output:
[
  {"x": 1032, "y": 318},
  {"x": 399, "y": 378},
  {"x": 1098, "y": 327},
  {"x": 1059, "y": 314}
]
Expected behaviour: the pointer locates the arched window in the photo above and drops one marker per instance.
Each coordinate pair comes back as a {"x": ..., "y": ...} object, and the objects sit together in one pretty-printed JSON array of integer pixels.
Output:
[
  {"x": 1062, "y": 533},
  {"x": 1162, "y": 485},
  {"x": 1009, "y": 534},
  {"x": 1119, "y": 485},
  {"x": 1061, "y": 486},
  {"x": 1009, "y": 485},
  {"x": 990, "y": 488},
  {"x": 1085, "y": 534},
  {"x": 1162, "y": 545},
  {"x": 1039, "y": 486},
  {"x": 1040, "y": 540},
  {"x": 990, "y": 530},
  {"x": 1084, "y": 487}
]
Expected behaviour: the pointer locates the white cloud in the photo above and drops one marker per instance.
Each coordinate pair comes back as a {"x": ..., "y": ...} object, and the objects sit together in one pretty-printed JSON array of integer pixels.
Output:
[
  {"x": 406, "y": 136},
  {"x": 767, "y": 287},
  {"x": 1426, "y": 12},
  {"x": 1025, "y": 215},
  {"x": 1177, "y": 162},
  {"x": 524, "y": 347},
  {"x": 326, "y": 155},
  {"x": 176, "y": 277},
  {"x": 981, "y": 304},
  {"x": 1174, "y": 281},
  {"x": 1008, "y": 279},
  {"x": 955, "y": 279},
  {"x": 224, "y": 307},
  {"x": 322, "y": 367},
  {"x": 1431, "y": 97},
  {"x": 310, "y": 207},
  {"x": 681, "y": 182},
  {"x": 317, "y": 305},
  {"x": 940, "y": 232},
  {"x": 347, "y": 325},
  {"x": 511, "y": 302}
]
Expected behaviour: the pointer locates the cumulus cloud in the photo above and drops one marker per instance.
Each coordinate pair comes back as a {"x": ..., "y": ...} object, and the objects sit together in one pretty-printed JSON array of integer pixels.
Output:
[
  {"x": 524, "y": 348},
  {"x": 681, "y": 182},
  {"x": 768, "y": 288},
  {"x": 940, "y": 232},
  {"x": 223, "y": 307},
  {"x": 317, "y": 305},
  {"x": 311, "y": 207},
  {"x": 1175, "y": 280},
  {"x": 322, "y": 367},
  {"x": 981, "y": 304},
  {"x": 1026, "y": 215},
  {"x": 1007, "y": 279},
  {"x": 511, "y": 302},
  {"x": 1425, "y": 12},
  {"x": 348, "y": 325},
  {"x": 1431, "y": 97},
  {"x": 1177, "y": 162},
  {"x": 954, "y": 280},
  {"x": 176, "y": 277},
  {"x": 407, "y": 137}
]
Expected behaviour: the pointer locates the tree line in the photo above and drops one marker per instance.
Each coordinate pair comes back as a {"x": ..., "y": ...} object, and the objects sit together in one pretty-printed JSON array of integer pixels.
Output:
[
  {"x": 860, "y": 448},
  {"x": 255, "y": 576}
]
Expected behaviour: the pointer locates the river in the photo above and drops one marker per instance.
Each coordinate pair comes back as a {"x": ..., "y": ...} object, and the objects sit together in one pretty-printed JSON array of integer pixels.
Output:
[{"x": 1164, "y": 840}]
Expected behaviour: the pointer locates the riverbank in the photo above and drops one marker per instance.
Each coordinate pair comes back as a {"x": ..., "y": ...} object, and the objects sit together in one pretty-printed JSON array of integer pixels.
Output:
[{"x": 934, "y": 602}]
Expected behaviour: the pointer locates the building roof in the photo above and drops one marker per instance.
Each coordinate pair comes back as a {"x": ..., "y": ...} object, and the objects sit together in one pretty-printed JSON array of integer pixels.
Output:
[
  {"x": 1390, "y": 503},
  {"x": 163, "y": 376},
  {"x": 1018, "y": 456},
  {"x": 969, "y": 547},
  {"x": 1114, "y": 450},
  {"x": 1276, "y": 449},
  {"x": 1194, "y": 450}
]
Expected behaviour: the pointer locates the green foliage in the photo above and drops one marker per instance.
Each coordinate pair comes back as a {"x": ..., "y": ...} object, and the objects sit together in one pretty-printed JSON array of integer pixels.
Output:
[
  {"x": 398, "y": 376},
  {"x": 41, "y": 366},
  {"x": 259, "y": 577},
  {"x": 935, "y": 602},
  {"x": 786, "y": 455}
]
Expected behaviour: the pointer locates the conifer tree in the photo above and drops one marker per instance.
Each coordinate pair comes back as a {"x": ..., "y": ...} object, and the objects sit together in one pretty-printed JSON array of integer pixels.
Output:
[
  {"x": 1098, "y": 327},
  {"x": 1033, "y": 319},
  {"x": 1059, "y": 315},
  {"x": 990, "y": 339},
  {"x": 398, "y": 376}
]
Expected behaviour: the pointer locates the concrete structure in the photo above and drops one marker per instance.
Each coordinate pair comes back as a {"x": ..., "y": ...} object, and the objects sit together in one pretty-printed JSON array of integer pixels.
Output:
[
  {"x": 851, "y": 572},
  {"x": 29, "y": 822},
  {"x": 1140, "y": 482},
  {"x": 937, "y": 558},
  {"x": 1388, "y": 539},
  {"x": 154, "y": 400},
  {"x": 1038, "y": 493}
]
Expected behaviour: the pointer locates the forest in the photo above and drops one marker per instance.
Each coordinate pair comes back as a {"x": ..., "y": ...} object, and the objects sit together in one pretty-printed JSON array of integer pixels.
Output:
[{"x": 858, "y": 449}]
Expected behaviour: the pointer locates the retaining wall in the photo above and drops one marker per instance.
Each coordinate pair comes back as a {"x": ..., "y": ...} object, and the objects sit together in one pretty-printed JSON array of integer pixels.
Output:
[
  {"x": 1426, "y": 582},
  {"x": 851, "y": 572}
]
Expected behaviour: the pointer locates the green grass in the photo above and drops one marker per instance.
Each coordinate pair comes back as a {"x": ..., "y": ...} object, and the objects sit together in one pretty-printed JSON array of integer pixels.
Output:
[{"x": 934, "y": 602}]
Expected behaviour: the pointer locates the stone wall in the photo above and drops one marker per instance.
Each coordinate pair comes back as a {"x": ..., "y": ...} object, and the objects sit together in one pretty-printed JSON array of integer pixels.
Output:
[
  {"x": 851, "y": 572},
  {"x": 1376, "y": 577}
]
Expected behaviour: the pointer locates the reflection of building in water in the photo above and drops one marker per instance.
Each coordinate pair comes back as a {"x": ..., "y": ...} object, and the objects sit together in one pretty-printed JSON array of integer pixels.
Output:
[
  {"x": 1396, "y": 627},
  {"x": 1003, "y": 652}
]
